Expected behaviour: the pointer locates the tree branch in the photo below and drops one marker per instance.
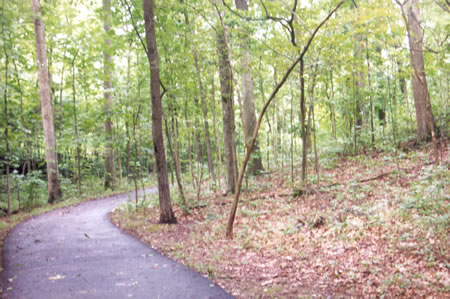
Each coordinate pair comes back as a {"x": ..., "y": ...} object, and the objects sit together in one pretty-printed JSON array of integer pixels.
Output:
[
  {"x": 445, "y": 8},
  {"x": 125, "y": 2},
  {"x": 229, "y": 231}
]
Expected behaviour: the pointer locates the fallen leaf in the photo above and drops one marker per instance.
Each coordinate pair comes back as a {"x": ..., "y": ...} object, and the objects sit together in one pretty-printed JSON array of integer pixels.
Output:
[{"x": 57, "y": 277}]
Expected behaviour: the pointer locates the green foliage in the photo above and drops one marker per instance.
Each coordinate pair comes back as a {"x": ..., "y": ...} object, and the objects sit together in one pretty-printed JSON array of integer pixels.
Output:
[
  {"x": 76, "y": 27},
  {"x": 34, "y": 190},
  {"x": 427, "y": 203}
]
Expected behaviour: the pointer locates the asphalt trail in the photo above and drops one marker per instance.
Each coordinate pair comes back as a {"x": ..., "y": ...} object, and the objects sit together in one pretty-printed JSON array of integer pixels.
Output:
[{"x": 76, "y": 252}]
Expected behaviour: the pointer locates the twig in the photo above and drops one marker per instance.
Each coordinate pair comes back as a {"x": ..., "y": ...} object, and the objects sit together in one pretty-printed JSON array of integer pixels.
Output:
[{"x": 134, "y": 26}]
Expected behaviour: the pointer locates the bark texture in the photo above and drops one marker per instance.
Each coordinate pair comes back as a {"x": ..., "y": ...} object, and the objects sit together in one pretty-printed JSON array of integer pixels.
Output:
[
  {"x": 166, "y": 214},
  {"x": 226, "y": 89},
  {"x": 424, "y": 115},
  {"x": 54, "y": 189},
  {"x": 255, "y": 164},
  {"x": 107, "y": 85}
]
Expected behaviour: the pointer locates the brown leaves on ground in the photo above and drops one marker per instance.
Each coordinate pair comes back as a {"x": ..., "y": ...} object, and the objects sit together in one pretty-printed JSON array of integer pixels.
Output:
[{"x": 362, "y": 235}]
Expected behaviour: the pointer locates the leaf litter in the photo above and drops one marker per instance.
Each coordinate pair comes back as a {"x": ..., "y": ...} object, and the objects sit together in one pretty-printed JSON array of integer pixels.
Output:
[{"x": 366, "y": 234}]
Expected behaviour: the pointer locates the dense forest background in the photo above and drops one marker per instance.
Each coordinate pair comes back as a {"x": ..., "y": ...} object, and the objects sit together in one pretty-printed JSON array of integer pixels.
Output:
[{"x": 352, "y": 91}]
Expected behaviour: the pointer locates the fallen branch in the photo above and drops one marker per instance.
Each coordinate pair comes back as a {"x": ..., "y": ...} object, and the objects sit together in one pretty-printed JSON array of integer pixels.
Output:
[
  {"x": 375, "y": 177},
  {"x": 359, "y": 181}
]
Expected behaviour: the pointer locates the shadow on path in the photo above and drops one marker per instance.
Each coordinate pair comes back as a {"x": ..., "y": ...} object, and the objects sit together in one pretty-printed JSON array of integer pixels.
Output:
[{"x": 75, "y": 252}]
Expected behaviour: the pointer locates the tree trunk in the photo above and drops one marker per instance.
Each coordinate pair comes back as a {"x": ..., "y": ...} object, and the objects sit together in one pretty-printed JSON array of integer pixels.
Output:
[
  {"x": 229, "y": 231},
  {"x": 404, "y": 91},
  {"x": 127, "y": 162},
  {"x": 226, "y": 88},
  {"x": 424, "y": 114},
  {"x": 5, "y": 98},
  {"x": 59, "y": 110},
  {"x": 28, "y": 144},
  {"x": 54, "y": 189},
  {"x": 189, "y": 149},
  {"x": 303, "y": 120},
  {"x": 330, "y": 97},
  {"x": 255, "y": 164},
  {"x": 359, "y": 86},
  {"x": 174, "y": 126},
  {"x": 216, "y": 140},
  {"x": 291, "y": 149},
  {"x": 175, "y": 163},
  {"x": 166, "y": 213},
  {"x": 205, "y": 119},
  {"x": 107, "y": 85},
  {"x": 118, "y": 152},
  {"x": 127, "y": 134},
  {"x": 75, "y": 126},
  {"x": 372, "y": 129}
]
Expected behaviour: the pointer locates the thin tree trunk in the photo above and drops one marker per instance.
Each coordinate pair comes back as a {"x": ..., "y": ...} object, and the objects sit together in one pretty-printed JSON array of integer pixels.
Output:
[
  {"x": 216, "y": 140},
  {"x": 360, "y": 82},
  {"x": 189, "y": 149},
  {"x": 404, "y": 91},
  {"x": 127, "y": 162},
  {"x": 59, "y": 110},
  {"x": 310, "y": 113},
  {"x": 27, "y": 165},
  {"x": 389, "y": 97},
  {"x": 166, "y": 213},
  {"x": 5, "y": 98},
  {"x": 372, "y": 129},
  {"x": 142, "y": 165},
  {"x": 356, "y": 112},
  {"x": 54, "y": 189},
  {"x": 261, "y": 87},
  {"x": 292, "y": 138},
  {"x": 177, "y": 170},
  {"x": 229, "y": 231},
  {"x": 359, "y": 88},
  {"x": 175, "y": 143},
  {"x": 330, "y": 97},
  {"x": 303, "y": 120},
  {"x": 135, "y": 171},
  {"x": 75, "y": 125},
  {"x": 316, "y": 155},
  {"x": 118, "y": 153},
  {"x": 108, "y": 104},
  {"x": 18, "y": 194},
  {"x": 127, "y": 135},
  {"x": 205, "y": 118},
  {"x": 227, "y": 110}
]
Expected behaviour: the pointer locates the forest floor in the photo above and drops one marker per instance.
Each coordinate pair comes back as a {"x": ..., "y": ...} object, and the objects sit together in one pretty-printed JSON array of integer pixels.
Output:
[{"x": 374, "y": 225}]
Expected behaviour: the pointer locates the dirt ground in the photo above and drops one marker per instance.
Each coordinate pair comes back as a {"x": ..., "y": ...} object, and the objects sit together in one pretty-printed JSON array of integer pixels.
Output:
[{"x": 374, "y": 225}]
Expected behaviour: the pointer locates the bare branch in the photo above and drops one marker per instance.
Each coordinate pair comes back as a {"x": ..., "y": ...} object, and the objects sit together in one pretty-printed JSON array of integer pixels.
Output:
[
  {"x": 445, "y": 8},
  {"x": 201, "y": 14},
  {"x": 134, "y": 26},
  {"x": 229, "y": 232}
]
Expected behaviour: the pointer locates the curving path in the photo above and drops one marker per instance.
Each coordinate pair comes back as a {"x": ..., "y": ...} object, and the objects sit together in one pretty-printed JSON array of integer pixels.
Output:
[{"x": 76, "y": 252}]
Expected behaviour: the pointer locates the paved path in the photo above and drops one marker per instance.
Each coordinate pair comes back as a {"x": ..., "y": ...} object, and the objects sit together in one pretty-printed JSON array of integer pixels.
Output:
[{"x": 76, "y": 252}]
